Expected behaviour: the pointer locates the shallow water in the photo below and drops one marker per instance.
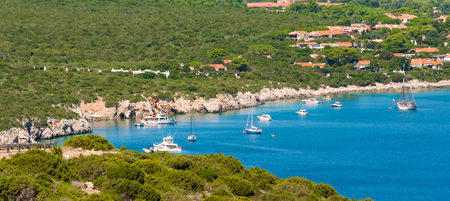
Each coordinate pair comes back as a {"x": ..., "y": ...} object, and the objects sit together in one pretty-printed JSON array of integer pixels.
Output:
[{"x": 363, "y": 149}]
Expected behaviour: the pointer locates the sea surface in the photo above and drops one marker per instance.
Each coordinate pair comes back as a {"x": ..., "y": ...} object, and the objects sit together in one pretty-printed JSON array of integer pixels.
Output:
[{"x": 364, "y": 149}]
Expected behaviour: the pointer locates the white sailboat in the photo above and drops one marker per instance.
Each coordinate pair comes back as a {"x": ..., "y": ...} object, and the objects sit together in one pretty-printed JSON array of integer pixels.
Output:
[
  {"x": 192, "y": 137},
  {"x": 407, "y": 101},
  {"x": 252, "y": 129}
]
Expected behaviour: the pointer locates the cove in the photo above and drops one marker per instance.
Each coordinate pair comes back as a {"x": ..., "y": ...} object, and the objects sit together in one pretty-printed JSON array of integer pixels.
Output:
[{"x": 363, "y": 149}]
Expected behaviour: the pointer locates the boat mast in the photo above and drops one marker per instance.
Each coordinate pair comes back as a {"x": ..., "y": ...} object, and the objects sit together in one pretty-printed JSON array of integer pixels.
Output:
[
  {"x": 403, "y": 85},
  {"x": 247, "y": 120},
  {"x": 252, "y": 117},
  {"x": 191, "y": 124}
]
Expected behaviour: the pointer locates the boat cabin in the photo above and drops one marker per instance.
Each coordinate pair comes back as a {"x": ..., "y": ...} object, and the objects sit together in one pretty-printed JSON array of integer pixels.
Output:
[{"x": 168, "y": 140}]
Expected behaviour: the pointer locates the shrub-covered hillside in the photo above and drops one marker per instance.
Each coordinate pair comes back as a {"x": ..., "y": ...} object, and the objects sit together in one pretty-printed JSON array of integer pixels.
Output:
[{"x": 130, "y": 175}]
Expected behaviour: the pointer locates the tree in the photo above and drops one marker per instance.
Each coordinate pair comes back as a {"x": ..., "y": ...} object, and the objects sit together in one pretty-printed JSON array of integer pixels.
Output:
[
  {"x": 195, "y": 64},
  {"x": 386, "y": 55},
  {"x": 298, "y": 7},
  {"x": 239, "y": 63},
  {"x": 217, "y": 53},
  {"x": 397, "y": 43},
  {"x": 342, "y": 55}
]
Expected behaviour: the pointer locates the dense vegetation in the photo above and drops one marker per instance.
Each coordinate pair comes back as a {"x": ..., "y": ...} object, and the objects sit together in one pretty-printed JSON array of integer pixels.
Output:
[
  {"x": 157, "y": 35},
  {"x": 130, "y": 175}
]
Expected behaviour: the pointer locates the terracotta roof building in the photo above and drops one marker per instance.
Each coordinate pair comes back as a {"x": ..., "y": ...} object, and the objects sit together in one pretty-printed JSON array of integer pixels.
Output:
[
  {"x": 225, "y": 62},
  {"x": 429, "y": 49},
  {"x": 404, "y": 17},
  {"x": 309, "y": 64},
  {"x": 217, "y": 67},
  {"x": 427, "y": 62}
]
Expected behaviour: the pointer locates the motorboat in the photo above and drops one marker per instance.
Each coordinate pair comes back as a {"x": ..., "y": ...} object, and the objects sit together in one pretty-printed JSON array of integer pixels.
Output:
[
  {"x": 311, "y": 101},
  {"x": 167, "y": 145},
  {"x": 264, "y": 117},
  {"x": 142, "y": 124},
  {"x": 336, "y": 104},
  {"x": 407, "y": 101},
  {"x": 158, "y": 119},
  {"x": 251, "y": 129},
  {"x": 192, "y": 138},
  {"x": 302, "y": 112},
  {"x": 326, "y": 98}
]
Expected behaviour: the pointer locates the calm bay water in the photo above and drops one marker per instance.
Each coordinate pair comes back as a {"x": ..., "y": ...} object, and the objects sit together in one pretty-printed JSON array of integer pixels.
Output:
[{"x": 363, "y": 149}]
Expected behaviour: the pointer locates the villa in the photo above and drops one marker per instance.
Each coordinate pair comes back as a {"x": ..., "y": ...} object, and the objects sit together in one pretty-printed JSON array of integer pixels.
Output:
[{"x": 427, "y": 62}]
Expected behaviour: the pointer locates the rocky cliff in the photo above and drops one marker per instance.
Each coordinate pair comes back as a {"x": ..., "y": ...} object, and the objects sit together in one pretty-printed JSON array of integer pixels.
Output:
[
  {"x": 222, "y": 102},
  {"x": 33, "y": 131}
]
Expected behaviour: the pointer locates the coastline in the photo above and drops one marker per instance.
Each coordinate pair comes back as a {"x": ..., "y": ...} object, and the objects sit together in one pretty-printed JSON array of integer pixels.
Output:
[{"x": 221, "y": 103}]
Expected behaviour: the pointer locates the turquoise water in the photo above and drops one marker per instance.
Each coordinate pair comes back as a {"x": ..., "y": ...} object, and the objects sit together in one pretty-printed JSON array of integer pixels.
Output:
[{"x": 363, "y": 149}]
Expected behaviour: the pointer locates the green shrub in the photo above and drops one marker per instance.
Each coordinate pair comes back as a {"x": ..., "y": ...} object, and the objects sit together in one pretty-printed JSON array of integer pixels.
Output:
[
  {"x": 239, "y": 186},
  {"x": 57, "y": 150},
  {"x": 90, "y": 167},
  {"x": 95, "y": 142},
  {"x": 277, "y": 195},
  {"x": 185, "y": 180},
  {"x": 179, "y": 162},
  {"x": 17, "y": 187},
  {"x": 208, "y": 175},
  {"x": 125, "y": 171},
  {"x": 213, "y": 198},
  {"x": 130, "y": 188},
  {"x": 223, "y": 192},
  {"x": 157, "y": 183},
  {"x": 151, "y": 167},
  {"x": 102, "y": 197},
  {"x": 38, "y": 161},
  {"x": 150, "y": 194},
  {"x": 326, "y": 190}
]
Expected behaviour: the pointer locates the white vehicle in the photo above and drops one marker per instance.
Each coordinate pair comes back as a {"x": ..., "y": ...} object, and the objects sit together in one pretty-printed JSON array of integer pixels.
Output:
[
  {"x": 265, "y": 117},
  {"x": 302, "y": 112},
  {"x": 336, "y": 104},
  {"x": 158, "y": 119},
  {"x": 167, "y": 145},
  {"x": 326, "y": 98},
  {"x": 311, "y": 101},
  {"x": 192, "y": 138}
]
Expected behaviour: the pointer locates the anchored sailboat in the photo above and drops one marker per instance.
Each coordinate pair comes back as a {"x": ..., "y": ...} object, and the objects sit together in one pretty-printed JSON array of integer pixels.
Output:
[
  {"x": 407, "y": 101},
  {"x": 192, "y": 137},
  {"x": 252, "y": 129}
]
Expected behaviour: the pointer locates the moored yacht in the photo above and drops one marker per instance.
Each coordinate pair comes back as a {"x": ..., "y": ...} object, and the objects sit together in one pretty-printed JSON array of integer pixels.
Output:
[
  {"x": 159, "y": 119},
  {"x": 407, "y": 101},
  {"x": 336, "y": 104},
  {"x": 312, "y": 101},
  {"x": 265, "y": 117},
  {"x": 167, "y": 145},
  {"x": 326, "y": 98},
  {"x": 302, "y": 112}
]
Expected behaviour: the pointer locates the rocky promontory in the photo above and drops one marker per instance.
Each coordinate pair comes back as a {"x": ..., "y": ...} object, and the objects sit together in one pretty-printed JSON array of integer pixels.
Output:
[
  {"x": 224, "y": 102},
  {"x": 32, "y": 130}
]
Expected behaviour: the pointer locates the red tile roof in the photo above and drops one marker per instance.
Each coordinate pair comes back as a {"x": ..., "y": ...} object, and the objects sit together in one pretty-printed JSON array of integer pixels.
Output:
[
  {"x": 398, "y": 54},
  {"x": 363, "y": 62},
  {"x": 344, "y": 44},
  {"x": 429, "y": 49},
  {"x": 226, "y": 62},
  {"x": 267, "y": 5},
  {"x": 216, "y": 66},
  {"x": 417, "y": 62},
  {"x": 321, "y": 65}
]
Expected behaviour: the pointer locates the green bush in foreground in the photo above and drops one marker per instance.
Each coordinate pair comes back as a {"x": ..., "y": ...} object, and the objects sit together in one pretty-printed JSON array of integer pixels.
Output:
[
  {"x": 128, "y": 175},
  {"x": 89, "y": 142}
]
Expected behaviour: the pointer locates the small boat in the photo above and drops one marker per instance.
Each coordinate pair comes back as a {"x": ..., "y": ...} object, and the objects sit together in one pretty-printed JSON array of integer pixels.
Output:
[
  {"x": 142, "y": 124},
  {"x": 192, "y": 137},
  {"x": 336, "y": 104},
  {"x": 265, "y": 117},
  {"x": 252, "y": 129},
  {"x": 158, "y": 119},
  {"x": 326, "y": 98},
  {"x": 407, "y": 102},
  {"x": 311, "y": 101},
  {"x": 167, "y": 145},
  {"x": 302, "y": 112}
]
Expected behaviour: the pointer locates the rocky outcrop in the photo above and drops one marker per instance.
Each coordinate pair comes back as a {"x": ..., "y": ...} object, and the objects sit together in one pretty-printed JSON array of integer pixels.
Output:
[
  {"x": 32, "y": 130},
  {"x": 223, "y": 102}
]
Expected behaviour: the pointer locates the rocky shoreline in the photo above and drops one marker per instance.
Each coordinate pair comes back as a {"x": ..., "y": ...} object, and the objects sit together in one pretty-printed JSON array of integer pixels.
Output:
[
  {"x": 222, "y": 102},
  {"x": 55, "y": 128}
]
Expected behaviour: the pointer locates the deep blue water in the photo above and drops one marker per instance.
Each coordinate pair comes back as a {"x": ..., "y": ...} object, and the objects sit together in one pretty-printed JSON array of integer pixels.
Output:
[{"x": 363, "y": 149}]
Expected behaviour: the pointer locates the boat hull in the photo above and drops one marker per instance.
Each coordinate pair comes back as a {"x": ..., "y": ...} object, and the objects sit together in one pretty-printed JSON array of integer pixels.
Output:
[
  {"x": 336, "y": 105},
  {"x": 248, "y": 131},
  {"x": 171, "y": 121},
  {"x": 403, "y": 107}
]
